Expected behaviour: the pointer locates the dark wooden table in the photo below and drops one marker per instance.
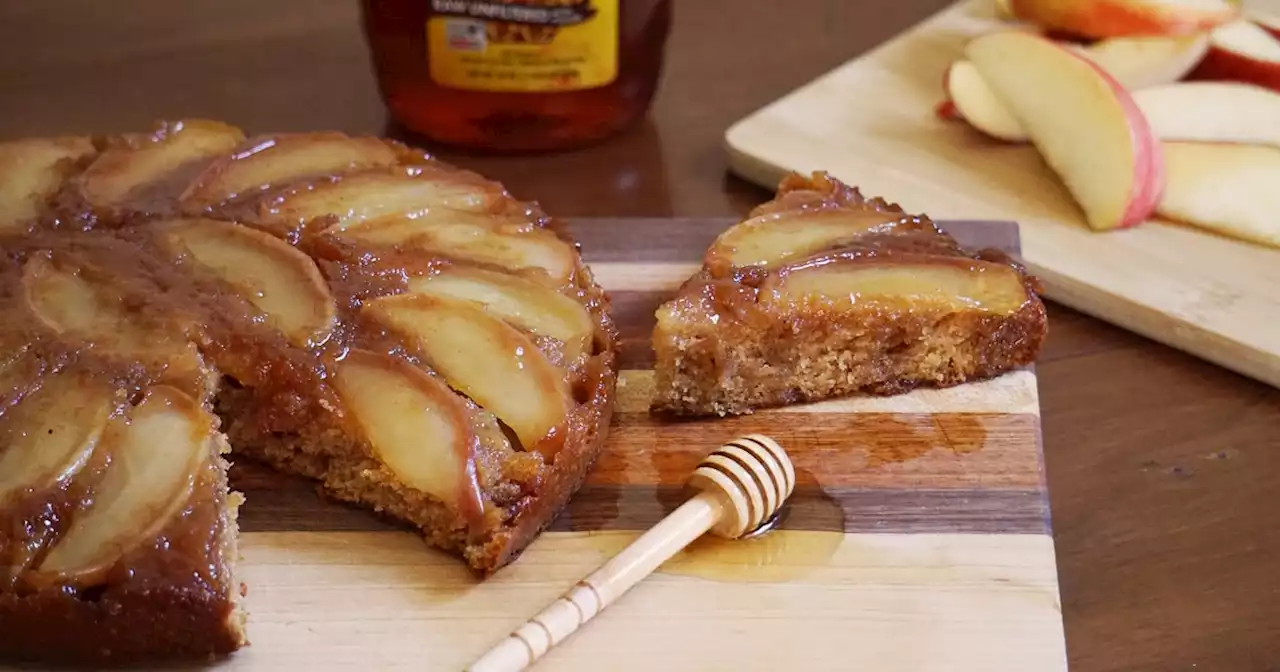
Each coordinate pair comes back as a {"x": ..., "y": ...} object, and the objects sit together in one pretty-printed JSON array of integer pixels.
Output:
[{"x": 1163, "y": 470}]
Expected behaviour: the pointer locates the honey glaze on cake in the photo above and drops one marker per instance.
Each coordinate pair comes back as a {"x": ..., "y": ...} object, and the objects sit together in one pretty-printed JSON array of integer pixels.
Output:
[
  {"x": 823, "y": 293},
  {"x": 348, "y": 309}
]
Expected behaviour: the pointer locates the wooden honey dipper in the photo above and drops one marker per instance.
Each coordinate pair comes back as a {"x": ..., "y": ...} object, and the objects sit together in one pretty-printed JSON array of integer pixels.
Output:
[{"x": 743, "y": 484}]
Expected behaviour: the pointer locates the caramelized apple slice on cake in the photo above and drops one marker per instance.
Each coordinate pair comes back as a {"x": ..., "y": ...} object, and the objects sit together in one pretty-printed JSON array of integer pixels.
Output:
[
  {"x": 886, "y": 302},
  {"x": 33, "y": 171},
  {"x": 485, "y": 359},
  {"x": 265, "y": 271}
]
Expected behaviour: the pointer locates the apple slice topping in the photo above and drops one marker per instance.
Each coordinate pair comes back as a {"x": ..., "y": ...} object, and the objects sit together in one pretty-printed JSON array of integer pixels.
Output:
[
  {"x": 509, "y": 243},
  {"x": 407, "y": 192},
  {"x": 269, "y": 273},
  {"x": 49, "y": 436},
  {"x": 32, "y": 171},
  {"x": 486, "y": 359},
  {"x": 521, "y": 302},
  {"x": 1230, "y": 189},
  {"x": 773, "y": 239},
  {"x": 155, "y": 456},
  {"x": 1084, "y": 123},
  {"x": 946, "y": 284},
  {"x": 284, "y": 158},
  {"x": 142, "y": 160},
  {"x": 415, "y": 425}
]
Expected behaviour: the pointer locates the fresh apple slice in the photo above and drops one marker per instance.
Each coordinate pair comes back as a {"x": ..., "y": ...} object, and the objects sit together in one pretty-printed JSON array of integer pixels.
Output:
[
  {"x": 772, "y": 239},
  {"x": 267, "y": 272},
  {"x": 507, "y": 243},
  {"x": 484, "y": 358},
  {"x": 950, "y": 285},
  {"x": 1242, "y": 52},
  {"x": 408, "y": 192},
  {"x": 1231, "y": 189},
  {"x": 140, "y": 160},
  {"x": 32, "y": 171},
  {"x": 49, "y": 436},
  {"x": 155, "y": 456},
  {"x": 415, "y": 425},
  {"x": 1139, "y": 62},
  {"x": 1120, "y": 18},
  {"x": 1212, "y": 112},
  {"x": 979, "y": 106},
  {"x": 279, "y": 159},
  {"x": 1267, "y": 21},
  {"x": 1083, "y": 122},
  {"x": 73, "y": 306},
  {"x": 521, "y": 302}
]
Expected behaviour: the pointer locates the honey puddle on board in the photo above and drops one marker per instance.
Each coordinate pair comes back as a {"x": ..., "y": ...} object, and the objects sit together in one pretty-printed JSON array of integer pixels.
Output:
[{"x": 777, "y": 556}]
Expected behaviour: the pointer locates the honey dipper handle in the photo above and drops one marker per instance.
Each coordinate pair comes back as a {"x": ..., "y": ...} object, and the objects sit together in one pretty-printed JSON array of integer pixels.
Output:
[{"x": 591, "y": 595}]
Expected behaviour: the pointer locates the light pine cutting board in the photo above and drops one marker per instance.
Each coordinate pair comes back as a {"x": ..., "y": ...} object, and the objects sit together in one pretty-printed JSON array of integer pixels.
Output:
[
  {"x": 917, "y": 539},
  {"x": 871, "y": 122}
]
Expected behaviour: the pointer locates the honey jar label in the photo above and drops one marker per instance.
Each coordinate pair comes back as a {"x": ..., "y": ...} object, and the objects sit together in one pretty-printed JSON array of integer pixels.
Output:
[{"x": 525, "y": 45}]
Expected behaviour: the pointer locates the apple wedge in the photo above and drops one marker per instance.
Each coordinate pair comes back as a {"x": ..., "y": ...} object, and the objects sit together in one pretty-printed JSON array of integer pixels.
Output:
[
  {"x": 486, "y": 359},
  {"x": 1212, "y": 112},
  {"x": 1267, "y": 21},
  {"x": 32, "y": 171},
  {"x": 1120, "y": 18},
  {"x": 1083, "y": 122},
  {"x": 155, "y": 456},
  {"x": 415, "y": 425},
  {"x": 1230, "y": 189},
  {"x": 773, "y": 239},
  {"x": 1242, "y": 52},
  {"x": 513, "y": 243},
  {"x": 361, "y": 197},
  {"x": 51, "y": 433},
  {"x": 1139, "y": 62},
  {"x": 143, "y": 159},
  {"x": 269, "y": 273},
  {"x": 978, "y": 105},
  {"x": 948, "y": 285},
  {"x": 521, "y": 302},
  {"x": 280, "y": 159}
]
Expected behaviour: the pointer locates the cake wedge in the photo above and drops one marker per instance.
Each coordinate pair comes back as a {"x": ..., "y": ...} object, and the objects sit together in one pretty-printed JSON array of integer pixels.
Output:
[{"x": 823, "y": 293}]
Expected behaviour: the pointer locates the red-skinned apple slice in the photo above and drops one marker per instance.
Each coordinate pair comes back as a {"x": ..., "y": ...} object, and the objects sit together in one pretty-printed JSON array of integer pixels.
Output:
[
  {"x": 31, "y": 171},
  {"x": 280, "y": 159},
  {"x": 51, "y": 433},
  {"x": 269, "y": 273},
  {"x": 978, "y": 105},
  {"x": 1267, "y": 21},
  {"x": 1139, "y": 62},
  {"x": 416, "y": 426},
  {"x": 1121, "y": 18},
  {"x": 521, "y": 302},
  {"x": 155, "y": 456},
  {"x": 407, "y": 192},
  {"x": 773, "y": 239},
  {"x": 141, "y": 160},
  {"x": 1212, "y": 112},
  {"x": 486, "y": 359},
  {"x": 1228, "y": 188},
  {"x": 1242, "y": 52},
  {"x": 1083, "y": 122},
  {"x": 489, "y": 239}
]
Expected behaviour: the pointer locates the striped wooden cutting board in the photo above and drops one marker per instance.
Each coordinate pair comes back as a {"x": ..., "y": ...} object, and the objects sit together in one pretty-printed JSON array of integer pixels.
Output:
[{"x": 918, "y": 537}]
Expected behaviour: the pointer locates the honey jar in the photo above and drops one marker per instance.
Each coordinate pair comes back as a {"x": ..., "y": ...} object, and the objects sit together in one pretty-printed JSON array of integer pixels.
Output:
[{"x": 516, "y": 75}]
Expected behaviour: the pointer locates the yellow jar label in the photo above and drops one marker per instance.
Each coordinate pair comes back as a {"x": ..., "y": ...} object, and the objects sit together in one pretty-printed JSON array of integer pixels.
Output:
[{"x": 525, "y": 45}]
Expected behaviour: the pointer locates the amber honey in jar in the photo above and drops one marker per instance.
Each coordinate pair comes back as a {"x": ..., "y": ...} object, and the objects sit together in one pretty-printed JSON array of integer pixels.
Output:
[{"x": 508, "y": 75}]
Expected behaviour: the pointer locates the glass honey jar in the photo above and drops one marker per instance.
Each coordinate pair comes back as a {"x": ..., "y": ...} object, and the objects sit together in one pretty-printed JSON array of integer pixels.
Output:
[{"x": 517, "y": 75}]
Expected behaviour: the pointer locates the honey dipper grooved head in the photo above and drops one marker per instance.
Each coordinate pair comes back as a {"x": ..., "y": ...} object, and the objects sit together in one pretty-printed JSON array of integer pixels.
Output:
[{"x": 754, "y": 477}]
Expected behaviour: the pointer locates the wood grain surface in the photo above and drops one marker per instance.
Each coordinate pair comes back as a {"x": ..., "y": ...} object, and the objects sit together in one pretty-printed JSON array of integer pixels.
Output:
[
  {"x": 871, "y": 123},
  {"x": 920, "y": 516},
  {"x": 1161, "y": 467}
]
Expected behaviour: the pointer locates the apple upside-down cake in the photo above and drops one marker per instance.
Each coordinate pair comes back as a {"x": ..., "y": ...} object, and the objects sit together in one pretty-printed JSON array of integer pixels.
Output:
[
  {"x": 344, "y": 308},
  {"x": 823, "y": 293}
]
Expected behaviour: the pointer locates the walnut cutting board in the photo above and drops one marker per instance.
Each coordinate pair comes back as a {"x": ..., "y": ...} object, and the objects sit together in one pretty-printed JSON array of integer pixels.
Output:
[
  {"x": 871, "y": 122},
  {"x": 918, "y": 537}
]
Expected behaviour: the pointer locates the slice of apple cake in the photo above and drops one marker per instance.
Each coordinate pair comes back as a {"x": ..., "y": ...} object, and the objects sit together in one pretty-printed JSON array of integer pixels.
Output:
[
  {"x": 823, "y": 293},
  {"x": 349, "y": 309}
]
